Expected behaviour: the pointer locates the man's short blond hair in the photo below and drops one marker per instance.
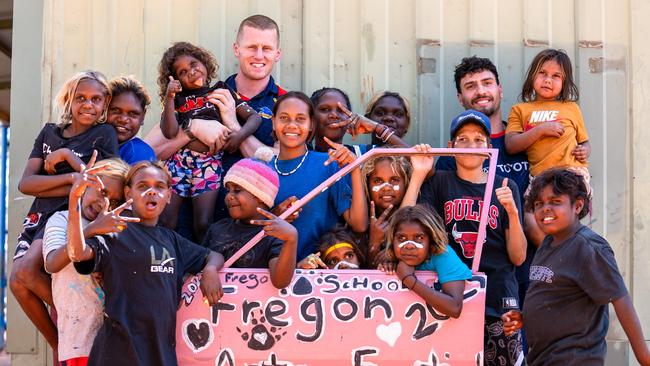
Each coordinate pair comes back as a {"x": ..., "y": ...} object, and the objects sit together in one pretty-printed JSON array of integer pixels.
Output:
[{"x": 261, "y": 22}]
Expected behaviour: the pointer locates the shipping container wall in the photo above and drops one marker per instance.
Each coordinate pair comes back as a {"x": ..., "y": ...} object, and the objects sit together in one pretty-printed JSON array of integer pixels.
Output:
[{"x": 362, "y": 47}]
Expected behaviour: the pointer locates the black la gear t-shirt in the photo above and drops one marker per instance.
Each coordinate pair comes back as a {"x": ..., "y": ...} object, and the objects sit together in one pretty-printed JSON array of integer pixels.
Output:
[
  {"x": 459, "y": 204},
  {"x": 100, "y": 137},
  {"x": 566, "y": 311},
  {"x": 142, "y": 270},
  {"x": 227, "y": 236}
]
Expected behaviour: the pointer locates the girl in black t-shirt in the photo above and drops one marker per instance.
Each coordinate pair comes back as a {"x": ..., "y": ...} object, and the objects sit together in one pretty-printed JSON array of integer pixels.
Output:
[{"x": 59, "y": 152}]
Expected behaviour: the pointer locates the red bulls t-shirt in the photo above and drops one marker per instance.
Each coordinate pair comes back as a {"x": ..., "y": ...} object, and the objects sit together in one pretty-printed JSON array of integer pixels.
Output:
[{"x": 459, "y": 204}]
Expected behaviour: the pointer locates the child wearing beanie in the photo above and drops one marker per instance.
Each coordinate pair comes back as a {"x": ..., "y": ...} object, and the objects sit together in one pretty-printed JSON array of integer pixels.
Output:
[{"x": 252, "y": 186}]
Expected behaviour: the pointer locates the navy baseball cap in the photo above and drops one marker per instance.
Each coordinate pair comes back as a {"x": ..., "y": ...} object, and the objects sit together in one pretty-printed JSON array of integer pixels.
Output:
[{"x": 469, "y": 115}]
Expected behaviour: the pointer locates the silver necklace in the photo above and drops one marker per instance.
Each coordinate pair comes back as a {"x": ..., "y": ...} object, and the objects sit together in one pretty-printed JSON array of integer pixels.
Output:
[{"x": 275, "y": 165}]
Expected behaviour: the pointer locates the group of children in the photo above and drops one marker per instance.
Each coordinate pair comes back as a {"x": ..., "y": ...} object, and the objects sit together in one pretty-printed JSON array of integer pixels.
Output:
[{"x": 95, "y": 214}]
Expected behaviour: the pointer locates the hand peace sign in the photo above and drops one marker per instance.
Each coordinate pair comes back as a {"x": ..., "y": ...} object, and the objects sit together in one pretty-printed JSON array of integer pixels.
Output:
[
  {"x": 355, "y": 123},
  {"x": 111, "y": 221},
  {"x": 275, "y": 226},
  {"x": 86, "y": 177}
]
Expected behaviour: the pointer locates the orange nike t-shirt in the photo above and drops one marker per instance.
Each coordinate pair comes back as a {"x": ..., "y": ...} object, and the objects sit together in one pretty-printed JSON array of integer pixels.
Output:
[{"x": 550, "y": 152}]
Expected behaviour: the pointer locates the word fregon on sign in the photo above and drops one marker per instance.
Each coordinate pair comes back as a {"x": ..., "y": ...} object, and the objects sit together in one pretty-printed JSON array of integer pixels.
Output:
[{"x": 349, "y": 317}]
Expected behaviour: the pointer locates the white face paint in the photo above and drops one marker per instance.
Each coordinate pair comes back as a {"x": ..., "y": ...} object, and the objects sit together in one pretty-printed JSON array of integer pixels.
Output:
[
  {"x": 378, "y": 188},
  {"x": 347, "y": 265},
  {"x": 416, "y": 244},
  {"x": 151, "y": 189}
]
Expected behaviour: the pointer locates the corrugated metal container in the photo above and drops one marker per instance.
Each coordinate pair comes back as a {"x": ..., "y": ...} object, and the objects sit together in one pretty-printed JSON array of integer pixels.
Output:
[{"x": 365, "y": 46}]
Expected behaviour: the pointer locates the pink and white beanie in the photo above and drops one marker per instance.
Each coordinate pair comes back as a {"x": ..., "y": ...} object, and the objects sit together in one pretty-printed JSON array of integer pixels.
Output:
[{"x": 256, "y": 177}]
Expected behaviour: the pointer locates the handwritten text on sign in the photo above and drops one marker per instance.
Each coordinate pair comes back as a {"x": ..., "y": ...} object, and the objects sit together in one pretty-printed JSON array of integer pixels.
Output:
[{"x": 350, "y": 317}]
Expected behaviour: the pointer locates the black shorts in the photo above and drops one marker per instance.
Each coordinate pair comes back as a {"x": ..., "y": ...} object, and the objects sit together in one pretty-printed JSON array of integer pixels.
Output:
[{"x": 33, "y": 229}]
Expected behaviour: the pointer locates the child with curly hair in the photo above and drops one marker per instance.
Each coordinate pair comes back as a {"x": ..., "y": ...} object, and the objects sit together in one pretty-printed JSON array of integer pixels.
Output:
[{"x": 185, "y": 73}]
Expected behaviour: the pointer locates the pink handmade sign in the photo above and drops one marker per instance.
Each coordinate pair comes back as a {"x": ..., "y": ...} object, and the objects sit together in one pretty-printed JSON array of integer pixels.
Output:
[{"x": 345, "y": 317}]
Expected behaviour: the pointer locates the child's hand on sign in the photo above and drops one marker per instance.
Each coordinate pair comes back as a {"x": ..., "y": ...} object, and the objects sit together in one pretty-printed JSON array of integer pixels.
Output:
[
  {"x": 403, "y": 269},
  {"x": 312, "y": 261},
  {"x": 387, "y": 267},
  {"x": 211, "y": 286},
  {"x": 512, "y": 322}
]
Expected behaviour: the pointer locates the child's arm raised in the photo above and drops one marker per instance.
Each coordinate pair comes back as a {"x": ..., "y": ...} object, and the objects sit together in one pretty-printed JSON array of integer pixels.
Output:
[
  {"x": 357, "y": 215},
  {"x": 422, "y": 165},
  {"x": 168, "y": 123},
  {"x": 515, "y": 238},
  {"x": 449, "y": 301},
  {"x": 106, "y": 222},
  {"x": 632, "y": 327},
  {"x": 377, "y": 234},
  {"x": 78, "y": 250},
  {"x": 281, "y": 267}
]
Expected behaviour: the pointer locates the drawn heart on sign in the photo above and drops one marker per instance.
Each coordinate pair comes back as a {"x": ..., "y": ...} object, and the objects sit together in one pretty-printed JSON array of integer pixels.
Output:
[
  {"x": 261, "y": 337},
  {"x": 389, "y": 333},
  {"x": 197, "y": 334}
]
